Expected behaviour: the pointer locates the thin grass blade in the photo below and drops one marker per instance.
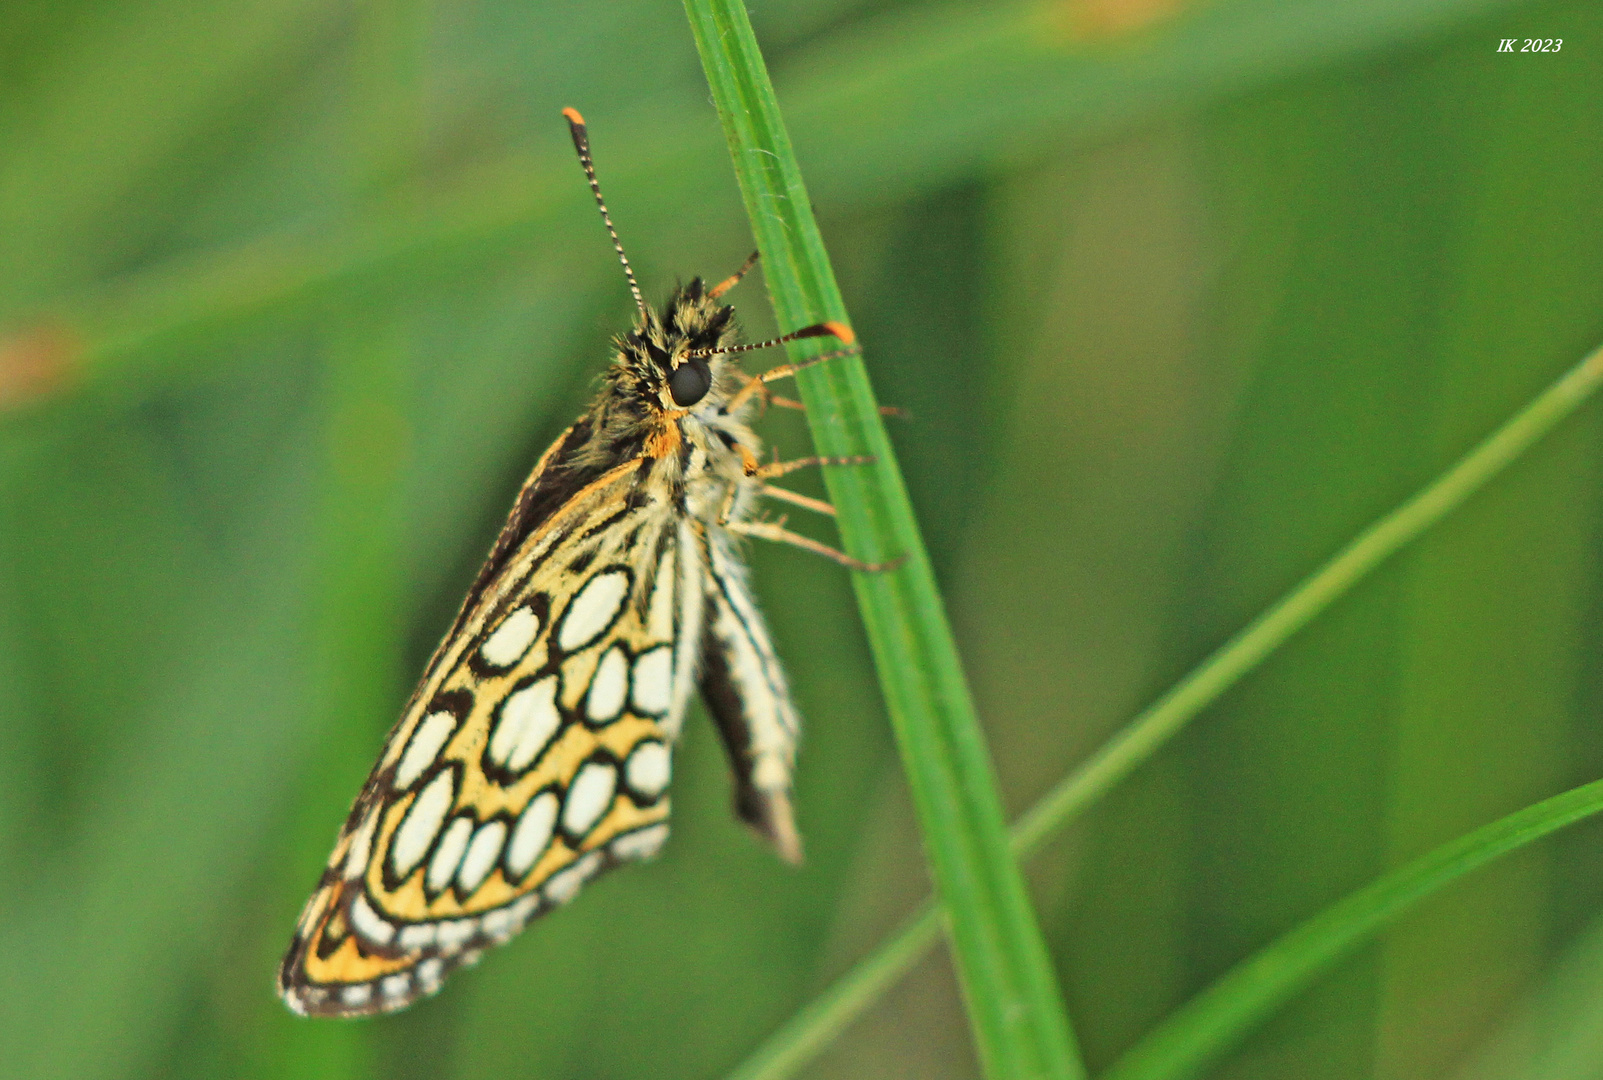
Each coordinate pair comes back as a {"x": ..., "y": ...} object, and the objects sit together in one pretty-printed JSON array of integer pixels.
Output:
[
  {"x": 818, "y": 1023},
  {"x": 1015, "y": 1005},
  {"x": 1215, "y": 1019}
]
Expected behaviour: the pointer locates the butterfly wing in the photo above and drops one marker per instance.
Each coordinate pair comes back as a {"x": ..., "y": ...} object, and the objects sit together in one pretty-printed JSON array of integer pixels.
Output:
[
  {"x": 533, "y": 756},
  {"x": 744, "y": 686}
]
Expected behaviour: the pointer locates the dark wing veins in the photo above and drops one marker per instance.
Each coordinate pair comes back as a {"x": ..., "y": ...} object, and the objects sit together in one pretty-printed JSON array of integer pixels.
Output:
[{"x": 568, "y": 467}]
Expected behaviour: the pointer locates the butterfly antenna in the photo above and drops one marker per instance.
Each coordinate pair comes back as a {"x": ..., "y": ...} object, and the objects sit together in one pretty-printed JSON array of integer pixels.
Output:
[
  {"x": 733, "y": 279},
  {"x": 581, "y": 143},
  {"x": 839, "y": 331}
]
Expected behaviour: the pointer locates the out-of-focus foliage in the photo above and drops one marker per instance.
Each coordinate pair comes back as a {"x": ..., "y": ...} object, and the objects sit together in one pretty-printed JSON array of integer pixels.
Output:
[{"x": 1178, "y": 297}]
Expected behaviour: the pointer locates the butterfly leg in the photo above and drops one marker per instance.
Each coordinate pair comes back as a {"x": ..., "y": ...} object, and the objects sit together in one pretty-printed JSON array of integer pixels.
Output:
[
  {"x": 780, "y": 468},
  {"x": 768, "y": 396},
  {"x": 806, "y": 502},
  {"x": 756, "y": 383},
  {"x": 776, "y": 531},
  {"x": 817, "y": 506}
]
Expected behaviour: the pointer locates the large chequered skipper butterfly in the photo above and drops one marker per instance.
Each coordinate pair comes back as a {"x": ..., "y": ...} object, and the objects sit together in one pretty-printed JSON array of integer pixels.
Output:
[{"x": 536, "y": 751}]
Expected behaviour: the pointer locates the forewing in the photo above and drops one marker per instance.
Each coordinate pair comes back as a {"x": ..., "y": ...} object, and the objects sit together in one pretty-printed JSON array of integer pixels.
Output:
[{"x": 532, "y": 757}]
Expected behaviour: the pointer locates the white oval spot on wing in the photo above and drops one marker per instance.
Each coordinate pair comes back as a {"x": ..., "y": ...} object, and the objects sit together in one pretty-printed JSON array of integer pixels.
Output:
[
  {"x": 499, "y": 923},
  {"x": 427, "y": 741},
  {"x": 357, "y": 995},
  {"x": 653, "y": 682},
  {"x": 527, "y": 722},
  {"x": 482, "y": 853},
  {"x": 368, "y": 922},
  {"x": 442, "y": 868},
  {"x": 642, "y": 843},
  {"x": 565, "y": 883},
  {"x": 511, "y": 639},
  {"x": 423, "y": 820},
  {"x": 593, "y": 609},
  {"x": 361, "y": 847},
  {"x": 609, "y": 687},
  {"x": 429, "y": 973},
  {"x": 588, "y": 797},
  {"x": 648, "y": 768},
  {"x": 533, "y": 833},
  {"x": 452, "y": 935},
  {"x": 417, "y": 936},
  {"x": 502, "y": 923},
  {"x": 396, "y": 985}
]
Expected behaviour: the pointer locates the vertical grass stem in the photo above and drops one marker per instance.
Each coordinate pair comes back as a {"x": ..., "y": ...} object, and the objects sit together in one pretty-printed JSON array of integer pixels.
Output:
[{"x": 1014, "y": 1003}]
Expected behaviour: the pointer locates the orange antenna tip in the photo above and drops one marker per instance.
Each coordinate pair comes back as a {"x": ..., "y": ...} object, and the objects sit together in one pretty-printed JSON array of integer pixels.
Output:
[
  {"x": 841, "y": 331},
  {"x": 581, "y": 143}
]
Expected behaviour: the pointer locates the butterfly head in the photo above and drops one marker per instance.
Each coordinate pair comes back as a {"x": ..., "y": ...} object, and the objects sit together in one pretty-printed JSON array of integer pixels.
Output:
[{"x": 672, "y": 359}]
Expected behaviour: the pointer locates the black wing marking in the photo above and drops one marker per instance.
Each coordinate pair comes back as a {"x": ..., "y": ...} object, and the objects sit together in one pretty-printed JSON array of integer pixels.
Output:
[{"x": 745, "y": 689}]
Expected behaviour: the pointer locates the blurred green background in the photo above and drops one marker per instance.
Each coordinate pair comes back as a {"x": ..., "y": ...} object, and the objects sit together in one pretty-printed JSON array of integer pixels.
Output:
[{"x": 1178, "y": 295}]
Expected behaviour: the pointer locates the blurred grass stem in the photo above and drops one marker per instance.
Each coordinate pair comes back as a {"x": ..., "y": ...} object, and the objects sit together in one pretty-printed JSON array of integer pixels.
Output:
[
  {"x": 149, "y": 325},
  {"x": 819, "y": 1022},
  {"x": 1209, "y": 1023}
]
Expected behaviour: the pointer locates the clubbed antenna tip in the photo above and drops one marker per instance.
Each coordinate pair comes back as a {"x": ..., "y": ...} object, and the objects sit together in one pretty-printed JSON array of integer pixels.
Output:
[{"x": 581, "y": 143}]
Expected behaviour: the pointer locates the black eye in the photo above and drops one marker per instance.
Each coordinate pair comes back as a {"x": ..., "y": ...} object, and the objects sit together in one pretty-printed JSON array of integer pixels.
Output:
[{"x": 689, "y": 383}]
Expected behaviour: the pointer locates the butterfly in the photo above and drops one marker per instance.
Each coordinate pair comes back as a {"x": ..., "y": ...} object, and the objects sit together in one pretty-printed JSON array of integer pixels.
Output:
[{"x": 536, "y": 751}]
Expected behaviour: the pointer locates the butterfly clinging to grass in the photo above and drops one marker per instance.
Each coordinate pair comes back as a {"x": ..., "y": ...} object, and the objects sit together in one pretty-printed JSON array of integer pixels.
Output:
[{"x": 536, "y": 751}]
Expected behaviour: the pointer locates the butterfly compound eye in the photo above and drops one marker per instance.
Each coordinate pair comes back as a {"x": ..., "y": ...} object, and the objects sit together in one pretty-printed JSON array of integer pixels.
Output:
[{"x": 689, "y": 383}]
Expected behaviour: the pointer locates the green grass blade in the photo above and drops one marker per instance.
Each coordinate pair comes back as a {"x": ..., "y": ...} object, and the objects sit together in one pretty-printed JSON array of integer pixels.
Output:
[
  {"x": 1142, "y": 737},
  {"x": 1015, "y": 1006},
  {"x": 817, "y": 1024},
  {"x": 1214, "y": 1019},
  {"x": 805, "y": 1035},
  {"x": 1023, "y": 62}
]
